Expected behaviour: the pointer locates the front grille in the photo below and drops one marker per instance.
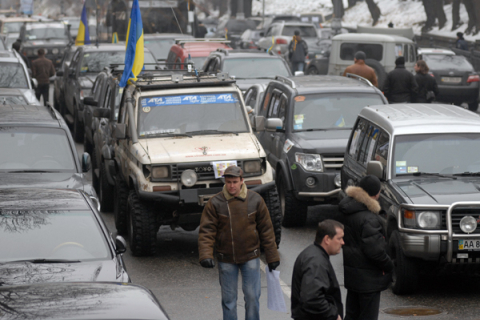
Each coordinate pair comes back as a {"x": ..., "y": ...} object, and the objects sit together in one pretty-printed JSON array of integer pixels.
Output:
[
  {"x": 204, "y": 170},
  {"x": 458, "y": 214},
  {"x": 333, "y": 161}
]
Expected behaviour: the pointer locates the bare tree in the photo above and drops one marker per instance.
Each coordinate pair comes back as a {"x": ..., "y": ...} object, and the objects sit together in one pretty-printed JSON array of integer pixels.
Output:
[
  {"x": 372, "y": 7},
  {"x": 434, "y": 10}
]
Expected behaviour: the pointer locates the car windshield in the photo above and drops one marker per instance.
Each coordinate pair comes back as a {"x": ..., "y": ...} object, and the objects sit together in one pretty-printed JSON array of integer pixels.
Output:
[
  {"x": 12, "y": 100},
  {"x": 436, "y": 153},
  {"x": 330, "y": 111},
  {"x": 442, "y": 62},
  {"x": 51, "y": 234},
  {"x": 46, "y": 33},
  {"x": 239, "y": 26},
  {"x": 12, "y": 75},
  {"x": 305, "y": 31},
  {"x": 183, "y": 114},
  {"x": 250, "y": 68},
  {"x": 159, "y": 47},
  {"x": 97, "y": 61},
  {"x": 35, "y": 149},
  {"x": 12, "y": 27}
]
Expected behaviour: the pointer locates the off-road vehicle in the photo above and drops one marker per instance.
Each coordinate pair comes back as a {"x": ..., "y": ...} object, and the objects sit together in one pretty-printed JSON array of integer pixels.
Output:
[{"x": 176, "y": 135}]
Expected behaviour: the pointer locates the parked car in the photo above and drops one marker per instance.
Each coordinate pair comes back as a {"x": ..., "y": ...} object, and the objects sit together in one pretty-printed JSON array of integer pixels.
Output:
[
  {"x": 17, "y": 97},
  {"x": 308, "y": 120},
  {"x": 457, "y": 80},
  {"x": 269, "y": 20},
  {"x": 426, "y": 156},
  {"x": 15, "y": 74},
  {"x": 233, "y": 29},
  {"x": 80, "y": 300},
  {"x": 316, "y": 18},
  {"x": 74, "y": 23},
  {"x": 248, "y": 67},
  {"x": 160, "y": 43},
  {"x": 61, "y": 76},
  {"x": 196, "y": 50},
  {"x": 249, "y": 39},
  {"x": 254, "y": 99}
]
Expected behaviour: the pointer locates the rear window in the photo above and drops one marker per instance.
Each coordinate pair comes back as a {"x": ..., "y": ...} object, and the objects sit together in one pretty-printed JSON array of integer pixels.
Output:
[
  {"x": 442, "y": 62},
  {"x": 305, "y": 31},
  {"x": 249, "y": 68},
  {"x": 239, "y": 26},
  {"x": 372, "y": 51}
]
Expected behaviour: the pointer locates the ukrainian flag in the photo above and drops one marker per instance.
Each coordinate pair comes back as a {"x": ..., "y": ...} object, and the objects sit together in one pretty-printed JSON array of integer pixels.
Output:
[
  {"x": 83, "y": 37},
  {"x": 135, "y": 49},
  {"x": 115, "y": 37}
]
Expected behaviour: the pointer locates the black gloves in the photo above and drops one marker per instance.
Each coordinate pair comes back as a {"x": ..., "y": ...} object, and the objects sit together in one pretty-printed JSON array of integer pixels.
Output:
[
  {"x": 273, "y": 265},
  {"x": 207, "y": 263}
]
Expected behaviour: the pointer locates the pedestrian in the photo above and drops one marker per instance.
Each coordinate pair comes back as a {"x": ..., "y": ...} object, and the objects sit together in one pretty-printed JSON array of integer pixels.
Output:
[
  {"x": 200, "y": 31},
  {"x": 235, "y": 224},
  {"x": 16, "y": 46},
  {"x": 400, "y": 85},
  {"x": 315, "y": 289},
  {"x": 461, "y": 43},
  {"x": 361, "y": 69},
  {"x": 427, "y": 85},
  {"x": 297, "y": 52},
  {"x": 42, "y": 70},
  {"x": 367, "y": 266}
]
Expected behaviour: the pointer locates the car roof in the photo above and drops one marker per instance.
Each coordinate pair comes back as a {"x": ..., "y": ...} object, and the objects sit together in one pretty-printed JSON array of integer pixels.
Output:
[
  {"x": 103, "y": 47},
  {"x": 17, "y": 19},
  {"x": 167, "y": 36},
  {"x": 370, "y": 37},
  {"x": 321, "y": 84},
  {"x": 200, "y": 49},
  {"x": 42, "y": 199},
  {"x": 10, "y": 92},
  {"x": 29, "y": 115},
  {"x": 8, "y": 56},
  {"x": 81, "y": 300},
  {"x": 233, "y": 54},
  {"x": 42, "y": 24},
  {"x": 435, "y": 51},
  {"x": 400, "y": 119}
]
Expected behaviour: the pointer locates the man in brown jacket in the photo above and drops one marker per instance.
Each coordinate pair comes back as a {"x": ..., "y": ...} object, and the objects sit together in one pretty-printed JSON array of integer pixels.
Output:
[
  {"x": 361, "y": 69},
  {"x": 42, "y": 70},
  {"x": 235, "y": 223}
]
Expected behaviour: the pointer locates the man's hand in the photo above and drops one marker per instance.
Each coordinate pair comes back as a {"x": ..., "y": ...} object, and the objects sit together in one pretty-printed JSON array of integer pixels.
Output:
[
  {"x": 273, "y": 265},
  {"x": 339, "y": 318},
  {"x": 207, "y": 263}
]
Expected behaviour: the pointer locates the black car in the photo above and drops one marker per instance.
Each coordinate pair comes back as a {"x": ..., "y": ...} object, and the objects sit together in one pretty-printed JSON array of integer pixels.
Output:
[
  {"x": 233, "y": 29},
  {"x": 308, "y": 120},
  {"x": 37, "y": 149},
  {"x": 59, "y": 81},
  {"x": 79, "y": 300},
  {"x": 54, "y": 235},
  {"x": 249, "y": 67}
]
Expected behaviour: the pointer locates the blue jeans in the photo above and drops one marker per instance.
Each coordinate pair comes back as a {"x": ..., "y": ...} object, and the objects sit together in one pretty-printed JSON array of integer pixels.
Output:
[
  {"x": 251, "y": 287},
  {"x": 297, "y": 66}
]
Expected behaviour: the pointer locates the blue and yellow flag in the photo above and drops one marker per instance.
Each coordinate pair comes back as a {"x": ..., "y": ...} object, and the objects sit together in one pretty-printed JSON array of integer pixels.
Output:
[
  {"x": 134, "y": 57},
  {"x": 115, "y": 37},
  {"x": 83, "y": 36}
]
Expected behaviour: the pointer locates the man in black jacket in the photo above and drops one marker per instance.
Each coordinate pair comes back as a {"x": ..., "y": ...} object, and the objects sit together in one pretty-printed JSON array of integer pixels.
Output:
[
  {"x": 315, "y": 290},
  {"x": 400, "y": 85},
  {"x": 367, "y": 266}
]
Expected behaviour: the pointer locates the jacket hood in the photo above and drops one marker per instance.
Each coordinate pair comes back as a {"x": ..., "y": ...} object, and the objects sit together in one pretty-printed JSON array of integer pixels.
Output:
[{"x": 358, "y": 200}]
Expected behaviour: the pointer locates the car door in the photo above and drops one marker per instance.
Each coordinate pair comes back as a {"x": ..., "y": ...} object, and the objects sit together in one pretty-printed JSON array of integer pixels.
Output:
[
  {"x": 263, "y": 135},
  {"x": 71, "y": 80},
  {"x": 279, "y": 139},
  {"x": 271, "y": 136},
  {"x": 352, "y": 171}
]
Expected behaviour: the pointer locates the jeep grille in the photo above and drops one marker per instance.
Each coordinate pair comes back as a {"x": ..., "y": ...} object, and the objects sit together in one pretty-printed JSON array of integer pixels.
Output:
[
  {"x": 333, "y": 161},
  {"x": 457, "y": 215}
]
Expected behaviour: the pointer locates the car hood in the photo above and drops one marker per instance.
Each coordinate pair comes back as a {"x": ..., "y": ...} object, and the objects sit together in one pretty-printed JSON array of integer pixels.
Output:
[
  {"x": 47, "y": 180},
  {"x": 26, "y": 272},
  {"x": 29, "y": 94},
  {"x": 244, "y": 84},
  {"x": 213, "y": 147},
  {"x": 330, "y": 141},
  {"x": 433, "y": 190}
]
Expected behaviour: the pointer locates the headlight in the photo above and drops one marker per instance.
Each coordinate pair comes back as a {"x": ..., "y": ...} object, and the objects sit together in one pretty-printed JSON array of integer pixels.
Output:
[
  {"x": 252, "y": 166},
  {"x": 337, "y": 180},
  {"x": 55, "y": 51},
  {"x": 310, "y": 162},
  {"x": 189, "y": 178},
  {"x": 159, "y": 172},
  {"x": 429, "y": 219},
  {"x": 468, "y": 224}
]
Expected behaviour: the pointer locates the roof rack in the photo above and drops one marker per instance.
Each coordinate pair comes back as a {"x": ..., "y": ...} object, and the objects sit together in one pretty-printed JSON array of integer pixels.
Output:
[
  {"x": 52, "y": 110},
  {"x": 216, "y": 40},
  {"x": 178, "y": 80},
  {"x": 361, "y": 79},
  {"x": 286, "y": 80}
]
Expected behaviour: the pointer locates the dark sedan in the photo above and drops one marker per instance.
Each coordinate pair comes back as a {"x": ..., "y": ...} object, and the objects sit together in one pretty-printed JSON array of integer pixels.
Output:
[{"x": 55, "y": 235}]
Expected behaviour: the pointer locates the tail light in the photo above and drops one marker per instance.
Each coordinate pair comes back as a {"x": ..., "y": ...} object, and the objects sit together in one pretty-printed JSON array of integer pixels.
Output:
[
  {"x": 473, "y": 78},
  {"x": 279, "y": 52},
  {"x": 281, "y": 41}
]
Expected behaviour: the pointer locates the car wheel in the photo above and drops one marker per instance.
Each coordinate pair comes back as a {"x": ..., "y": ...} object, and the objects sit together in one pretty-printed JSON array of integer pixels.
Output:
[
  {"x": 78, "y": 129},
  {"x": 473, "y": 106},
  {"x": 405, "y": 273},
  {"x": 120, "y": 196},
  {"x": 312, "y": 71},
  {"x": 105, "y": 190},
  {"x": 379, "y": 71},
  {"x": 95, "y": 172},
  {"x": 273, "y": 205},
  {"x": 294, "y": 212},
  {"x": 142, "y": 233}
]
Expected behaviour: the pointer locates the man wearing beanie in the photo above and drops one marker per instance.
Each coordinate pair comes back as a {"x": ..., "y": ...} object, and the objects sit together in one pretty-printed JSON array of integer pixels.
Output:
[
  {"x": 361, "y": 69},
  {"x": 367, "y": 266},
  {"x": 461, "y": 43},
  {"x": 400, "y": 85}
]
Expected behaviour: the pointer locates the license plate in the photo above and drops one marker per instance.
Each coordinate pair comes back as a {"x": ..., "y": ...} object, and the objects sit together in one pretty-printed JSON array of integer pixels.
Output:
[
  {"x": 470, "y": 244},
  {"x": 452, "y": 79}
]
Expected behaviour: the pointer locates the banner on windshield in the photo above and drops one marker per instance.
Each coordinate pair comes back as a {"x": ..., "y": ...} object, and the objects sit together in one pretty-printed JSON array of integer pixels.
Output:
[{"x": 189, "y": 100}]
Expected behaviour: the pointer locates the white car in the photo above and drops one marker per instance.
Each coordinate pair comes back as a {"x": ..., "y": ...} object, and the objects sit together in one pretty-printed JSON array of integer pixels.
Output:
[{"x": 15, "y": 74}]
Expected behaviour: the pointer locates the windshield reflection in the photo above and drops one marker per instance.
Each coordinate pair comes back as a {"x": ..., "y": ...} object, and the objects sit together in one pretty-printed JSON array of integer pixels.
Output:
[
  {"x": 46, "y": 33},
  {"x": 255, "y": 68},
  {"x": 12, "y": 75},
  {"x": 12, "y": 100}
]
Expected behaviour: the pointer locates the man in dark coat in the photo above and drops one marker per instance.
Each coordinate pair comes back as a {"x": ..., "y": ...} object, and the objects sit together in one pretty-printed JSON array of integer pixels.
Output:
[
  {"x": 297, "y": 51},
  {"x": 461, "y": 43},
  {"x": 315, "y": 290},
  {"x": 400, "y": 85},
  {"x": 367, "y": 266}
]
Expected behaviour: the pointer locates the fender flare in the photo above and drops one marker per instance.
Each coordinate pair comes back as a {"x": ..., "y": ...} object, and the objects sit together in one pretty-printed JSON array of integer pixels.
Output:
[{"x": 282, "y": 167}]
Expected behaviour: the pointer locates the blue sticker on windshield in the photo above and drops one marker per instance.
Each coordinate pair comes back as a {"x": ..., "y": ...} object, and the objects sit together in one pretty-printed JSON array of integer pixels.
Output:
[{"x": 189, "y": 99}]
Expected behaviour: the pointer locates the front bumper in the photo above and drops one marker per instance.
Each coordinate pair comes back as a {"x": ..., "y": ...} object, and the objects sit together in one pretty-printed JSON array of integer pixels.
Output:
[
  {"x": 458, "y": 94},
  {"x": 323, "y": 189}
]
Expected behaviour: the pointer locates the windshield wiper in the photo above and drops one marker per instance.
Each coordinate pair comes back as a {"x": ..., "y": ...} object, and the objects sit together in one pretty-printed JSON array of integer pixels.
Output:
[
  {"x": 41, "y": 261},
  {"x": 211, "y": 132},
  {"x": 170, "y": 135},
  {"x": 420, "y": 173},
  {"x": 32, "y": 171},
  {"x": 466, "y": 174}
]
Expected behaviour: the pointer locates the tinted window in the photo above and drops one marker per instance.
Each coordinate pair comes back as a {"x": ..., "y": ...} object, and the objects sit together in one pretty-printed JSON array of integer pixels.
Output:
[
  {"x": 443, "y": 62},
  {"x": 35, "y": 149},
  {"x": 381, "y": 150},
  {"x": 249, "y": 68},
  {"x": 359, "y": 137},
  {"x": 239, "y": 26},
  {"x": 46, "y": 33},
  {"x": 12, "y": 75},
  {"x": 372, "y": 51},
  {"x": 12, "y": 100},
  {"x": 97, "y": 61},
  {"x": 159, "y": 47},
  {"x": 305, "y": 31}
]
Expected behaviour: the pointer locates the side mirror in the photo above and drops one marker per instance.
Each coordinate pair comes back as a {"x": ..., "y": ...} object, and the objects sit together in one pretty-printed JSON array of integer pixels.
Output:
[
  {"x": 259, "y": 123},
  {"x": 72, "y": 73},
  {"x": 120, "y": 131},
  {"x": 60, "y": 73},
  {"x": 120, "y": 245},
  {"x": 375, "y": 168},
  {"x": 262, "y": 34},
  {"x": 86, "y": 162},
  {"x": 34, "y": 83},
  {"x": 101, "y": 113},
  {"x": 89, "y": 101},
  {"x": 273, "y": 124}
]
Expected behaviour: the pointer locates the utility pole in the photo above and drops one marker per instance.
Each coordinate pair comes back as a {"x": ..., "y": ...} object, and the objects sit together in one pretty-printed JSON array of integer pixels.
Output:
[{"x": 240, "y": 13}]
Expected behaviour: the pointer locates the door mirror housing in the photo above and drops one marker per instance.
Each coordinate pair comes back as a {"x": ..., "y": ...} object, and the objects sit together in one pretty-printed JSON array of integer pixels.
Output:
[
  {"x": 90, "y": 101},
  {"x": 375, "y": 168},
  {"x": 120, "y": 245},
  {"x": 86, "y": 162},
  {"x": 273, "y": 124},
  {"x": 120, "y": 131}
]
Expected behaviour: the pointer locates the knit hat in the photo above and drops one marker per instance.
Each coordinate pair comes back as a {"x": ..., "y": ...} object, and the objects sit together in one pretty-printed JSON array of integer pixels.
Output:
[
  {"x": 460, "y": 35},
  {"x": 296, "y": 32},
  {"x": 371, "y": 185},
  {"x": 400, "y": 61},
  {"x": 360, "y": 55}
]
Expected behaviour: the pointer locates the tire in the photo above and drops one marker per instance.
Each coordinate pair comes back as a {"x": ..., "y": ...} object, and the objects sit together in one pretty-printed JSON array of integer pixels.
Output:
[
  {"x": 312, "y": 71},
  {"x": 142, "y": 233},
  {"x": 120, "y": 197},
  {"x": 273, "y": 205},
  {"x": 405, "y": 273},
  {"x": 379, "y": 71},
  {"x": 95, "y": 181},
  {"x": 473, "y": 106},
  {"x": 294, "y": 212},
  {"x": 78, "y": 129},
  {"x": 105, "y": 191}
]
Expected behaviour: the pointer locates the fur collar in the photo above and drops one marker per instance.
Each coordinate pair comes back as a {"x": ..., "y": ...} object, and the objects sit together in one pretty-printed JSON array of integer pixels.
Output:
[
  {"x": 242, "y": 195},
  {"x": 361, "y": 196}
]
